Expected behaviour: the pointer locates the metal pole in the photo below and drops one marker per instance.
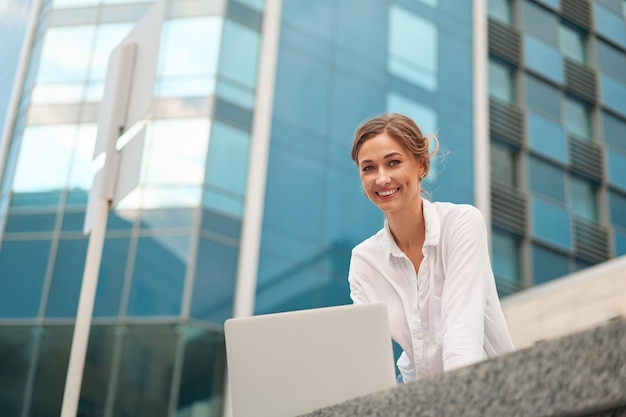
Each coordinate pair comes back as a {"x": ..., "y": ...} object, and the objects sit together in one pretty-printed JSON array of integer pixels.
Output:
[{"x": 82, "y": 327}]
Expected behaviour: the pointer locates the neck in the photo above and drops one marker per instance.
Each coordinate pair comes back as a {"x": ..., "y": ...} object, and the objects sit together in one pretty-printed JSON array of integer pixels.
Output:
[{"x": 407, "y": 226}]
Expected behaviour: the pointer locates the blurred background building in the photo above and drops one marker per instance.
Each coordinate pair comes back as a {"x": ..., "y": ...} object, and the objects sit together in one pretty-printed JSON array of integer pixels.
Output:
[{"x": 249, "y": 202}]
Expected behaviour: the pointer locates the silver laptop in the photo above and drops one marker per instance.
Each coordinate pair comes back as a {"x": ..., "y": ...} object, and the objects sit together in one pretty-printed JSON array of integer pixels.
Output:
[{"x": 286, "y": 364}]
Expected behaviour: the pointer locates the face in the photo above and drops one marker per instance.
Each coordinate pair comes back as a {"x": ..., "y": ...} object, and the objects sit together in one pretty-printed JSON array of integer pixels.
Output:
[{"x": 389, "y": 173}]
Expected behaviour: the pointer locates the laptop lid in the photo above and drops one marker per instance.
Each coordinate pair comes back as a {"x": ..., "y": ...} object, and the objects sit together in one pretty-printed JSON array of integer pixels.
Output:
[{"x": 285, "y": 364}]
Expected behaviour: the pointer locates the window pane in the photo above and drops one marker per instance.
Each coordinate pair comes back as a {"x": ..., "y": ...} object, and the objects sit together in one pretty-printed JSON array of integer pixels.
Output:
[
  {"x": 617, "y": 167},
  {"x": 67, "y": 277},
  {"x": 17, "y": 345},
  {"x": 548, "y": 265},
  {"x": 414, "y": 61},
  {"x": 613, "y": 93},
  {"x": 82, "y": 168},
  {"x": 501, "y": 84},
  {"x": 227, "y": 165},
  {"x": 176, "y": 158},
  {"x": 189, "y": 57},
  {"x": 539, "y": 22},
  {"x": 25, "y": 264},
  {"x": 551, "y": 223},
  {"x": 547, "y": 179},
  {"x": 305, "y": 81},
  {"x": 614, "y": 130},
  {"x": 65, "y": 54},
  {"x": 505, "y": 256},
  {"x": 543, "y": 97},
  {"x": 610, "y": 24},
  {"x": 547, "y": 137},
  {"x": 572, "y": 44},
  {"x": 611, "y": 59},
  {"x": 214, "y": 285},
  {"x": 240, "y": 53},
  {"x": 583, "y": 199},
  {"x": 577, "y": 120},
  {"x": 54, "y": 354},
  {"x": 620, "y": 243},
  {"x": 617, "y": 209},
  {"x": 159, "y": 276},
  {"x": 146, "y": 370},
  {"x": 108, "y": 36},
  {"x": 500, "y": 10},
  {"x": 44, "y": 149},
  {"x": 203, "y": 370},
  {"x": 111, "y": 279},
  {"x": 543, "y": 58},
  {"x": 503, "y": 164}
]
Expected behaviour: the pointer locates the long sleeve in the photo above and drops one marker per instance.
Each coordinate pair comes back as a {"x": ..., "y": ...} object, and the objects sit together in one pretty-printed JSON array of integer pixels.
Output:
[{"x": 465, "y": 290}]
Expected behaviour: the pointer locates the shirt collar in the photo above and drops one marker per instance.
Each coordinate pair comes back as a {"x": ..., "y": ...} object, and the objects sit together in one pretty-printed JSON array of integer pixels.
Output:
[{"x": 433, "y": 226}]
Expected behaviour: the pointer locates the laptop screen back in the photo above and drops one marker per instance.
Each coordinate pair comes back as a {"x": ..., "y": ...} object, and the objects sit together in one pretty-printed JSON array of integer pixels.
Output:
[{"x": 285, "y": 364}]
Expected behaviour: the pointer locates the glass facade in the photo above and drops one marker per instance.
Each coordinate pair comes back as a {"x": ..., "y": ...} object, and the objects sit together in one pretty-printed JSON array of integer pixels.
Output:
[
  {"x": 568, "y": 82},
  {"x": 173, "y": 246}
]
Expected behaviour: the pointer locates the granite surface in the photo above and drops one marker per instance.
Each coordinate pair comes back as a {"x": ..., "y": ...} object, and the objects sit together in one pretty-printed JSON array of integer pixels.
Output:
[{"x": 579, "y": 375}]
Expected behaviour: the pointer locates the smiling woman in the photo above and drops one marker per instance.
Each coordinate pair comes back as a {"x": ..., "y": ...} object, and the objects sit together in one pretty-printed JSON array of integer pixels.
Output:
[{"x": 429, "y": 263}]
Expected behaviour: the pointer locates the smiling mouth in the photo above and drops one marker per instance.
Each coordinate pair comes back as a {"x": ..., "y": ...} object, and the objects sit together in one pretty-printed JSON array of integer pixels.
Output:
[{"x": 387, "y": 193}]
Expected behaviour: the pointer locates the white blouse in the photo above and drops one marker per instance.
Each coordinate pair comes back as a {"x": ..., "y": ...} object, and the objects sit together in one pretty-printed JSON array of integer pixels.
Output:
[{"x": 448, "y": 315}]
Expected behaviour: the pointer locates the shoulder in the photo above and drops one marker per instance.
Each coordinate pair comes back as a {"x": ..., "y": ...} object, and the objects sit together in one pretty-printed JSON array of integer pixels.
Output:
[
  {"x": 459, "y": 215},
  {"x": 446, "y": 209}
]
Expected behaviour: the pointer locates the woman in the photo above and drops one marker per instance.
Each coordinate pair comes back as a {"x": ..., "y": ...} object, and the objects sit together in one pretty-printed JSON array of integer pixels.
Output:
[{"x": 429, "y": 263}]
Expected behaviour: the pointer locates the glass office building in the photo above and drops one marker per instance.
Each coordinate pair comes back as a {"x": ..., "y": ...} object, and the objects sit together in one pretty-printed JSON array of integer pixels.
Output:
[{"x": 248, "y": 200}]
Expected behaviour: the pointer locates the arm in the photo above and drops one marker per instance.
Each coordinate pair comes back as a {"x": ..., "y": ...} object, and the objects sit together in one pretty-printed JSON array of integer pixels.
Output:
[
  {"x": 356, "y": 291},
  {"x": 464, "y": 295}
]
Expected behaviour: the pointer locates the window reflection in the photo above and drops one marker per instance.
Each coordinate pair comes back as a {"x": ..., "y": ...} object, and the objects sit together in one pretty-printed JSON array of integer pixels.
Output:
[
  {"x": 547, "y": 137},
  {"x": 62, "y": 4},
  {"x": 65, "y": 54},
  {"x": 543, "y": 97},
  {"x": 540, "y": 22},
  {"x": 58, "y": 93},
  {"x": 614, "y": 130},
  {"x": 107, "y": 38},
  {"x": 617, "y": 167},
  {"x": 501, "y": 84},
  {"x": 548, "y": 264},
  {"x": 503, "y": 164},
  {"x": 551, "y": 223},
  {"x": 239, "y": 54},
  {"x": 158, "y": 276},
  {"x": 44, "y": 149},
  {"x": 583, "y": 201},
  {"x": 572, "y": 44},
  {"x": 189, "y": 57},
  {"x": 543, "y": 58},
  {"x": 547, "y": 179},
  {"x": 617, "y": 209},
  {"x": 577, "y": 119},
  {"x": 505, "y": 248},
  {"x": 81, "y": 171},
  {"x": 175, "y": 152},
  {"x": 611, "y": 59},
  {"x": 227, "y": 165},
  {"x": 500, "y": 10},
  {"x": 408, "y": 59}
]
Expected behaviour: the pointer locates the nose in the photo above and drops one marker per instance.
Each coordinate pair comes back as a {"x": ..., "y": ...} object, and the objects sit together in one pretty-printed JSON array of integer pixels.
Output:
[{"x": 383, "y": 178}]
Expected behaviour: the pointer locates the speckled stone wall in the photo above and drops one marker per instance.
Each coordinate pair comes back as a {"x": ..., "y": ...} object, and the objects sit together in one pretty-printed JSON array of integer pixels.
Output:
[{"x": 579, "y": 375}]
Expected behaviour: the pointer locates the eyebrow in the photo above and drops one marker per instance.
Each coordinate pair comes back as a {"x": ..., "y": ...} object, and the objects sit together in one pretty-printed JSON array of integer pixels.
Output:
[{"x": 389, "y": 155}]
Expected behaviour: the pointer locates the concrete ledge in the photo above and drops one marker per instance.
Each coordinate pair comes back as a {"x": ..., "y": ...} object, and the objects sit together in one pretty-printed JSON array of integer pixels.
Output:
[{"x": 579, "y": 375}]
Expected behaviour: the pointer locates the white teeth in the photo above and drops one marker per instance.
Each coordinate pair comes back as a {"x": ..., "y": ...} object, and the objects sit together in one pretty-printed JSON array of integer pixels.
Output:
[{"x": 386, "y": 193}]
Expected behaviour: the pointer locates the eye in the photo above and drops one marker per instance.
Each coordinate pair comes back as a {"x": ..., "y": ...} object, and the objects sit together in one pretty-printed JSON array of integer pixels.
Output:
[
  {"x": 367, "y": 168},
  {"x": 394, "y": 163}
]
